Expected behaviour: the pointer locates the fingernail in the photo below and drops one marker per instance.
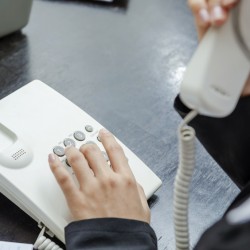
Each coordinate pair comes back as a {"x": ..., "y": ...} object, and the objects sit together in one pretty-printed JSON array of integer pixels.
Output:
[
  {"x": 217, "y": 13},
  {"x": 104, "y": 131},
  {"x": 204, "y": 16},
  {"x": 52, "y": 158}
]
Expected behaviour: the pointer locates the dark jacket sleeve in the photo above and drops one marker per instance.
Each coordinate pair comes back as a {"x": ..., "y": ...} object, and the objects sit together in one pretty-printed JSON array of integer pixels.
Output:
[
  {"x": 226, "y": 139},
  {"x": 225, "y": 235},
  {"x": 110, "y": 233}
]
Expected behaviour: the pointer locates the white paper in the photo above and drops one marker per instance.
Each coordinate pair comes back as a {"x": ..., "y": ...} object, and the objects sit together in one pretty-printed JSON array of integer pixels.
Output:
[{"x": 4, "y": 245}]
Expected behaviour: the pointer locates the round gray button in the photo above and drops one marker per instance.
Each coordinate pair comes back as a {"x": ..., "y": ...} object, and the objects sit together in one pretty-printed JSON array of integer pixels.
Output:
[
  {"x": 59, "y": 151},
  {"x": 89, "y": 128},
  {"x": 69, "y": 142},
  {"x": 79, "y": 136}
]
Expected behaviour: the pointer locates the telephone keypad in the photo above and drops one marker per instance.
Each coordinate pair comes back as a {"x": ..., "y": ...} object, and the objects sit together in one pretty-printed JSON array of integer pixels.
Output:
[{"x": 77, "y": 139}]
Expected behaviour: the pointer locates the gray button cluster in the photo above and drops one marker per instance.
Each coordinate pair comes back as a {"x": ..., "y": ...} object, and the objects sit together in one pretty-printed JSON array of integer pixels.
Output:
[{"x": 78, "y": 136}]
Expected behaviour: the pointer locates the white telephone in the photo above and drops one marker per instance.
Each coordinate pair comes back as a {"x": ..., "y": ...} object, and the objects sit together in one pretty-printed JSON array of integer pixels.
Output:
[{"x": 34, "y": 121}]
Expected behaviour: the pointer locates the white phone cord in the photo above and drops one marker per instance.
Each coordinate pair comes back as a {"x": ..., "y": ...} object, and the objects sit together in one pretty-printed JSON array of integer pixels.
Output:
[
  {"x": 43, "y": 243},
  {"x": 182, "y": 181}
]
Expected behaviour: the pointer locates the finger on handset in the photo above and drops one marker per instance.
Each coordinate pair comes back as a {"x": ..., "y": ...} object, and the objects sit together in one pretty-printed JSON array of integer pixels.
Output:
[{"x": 218, "y": 14}]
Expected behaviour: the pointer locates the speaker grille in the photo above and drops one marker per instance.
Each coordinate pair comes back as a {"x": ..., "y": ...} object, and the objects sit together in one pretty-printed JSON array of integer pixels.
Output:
[{"x": 18, "y": 154}]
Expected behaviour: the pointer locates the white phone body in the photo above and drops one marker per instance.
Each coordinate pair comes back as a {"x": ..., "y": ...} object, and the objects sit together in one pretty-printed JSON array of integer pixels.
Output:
[
  {"x": 34, "y": 119},
  {"x": 217, "y": 72}
]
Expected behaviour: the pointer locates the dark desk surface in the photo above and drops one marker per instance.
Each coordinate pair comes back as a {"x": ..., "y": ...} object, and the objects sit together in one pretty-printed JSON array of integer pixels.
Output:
[{"x": 123, "y": 65}]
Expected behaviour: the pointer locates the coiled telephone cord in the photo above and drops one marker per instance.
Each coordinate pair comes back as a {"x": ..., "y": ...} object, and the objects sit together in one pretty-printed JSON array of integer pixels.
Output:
[
  {"x": 43, "y": 243},
  {"x": 183, "y": 178}
]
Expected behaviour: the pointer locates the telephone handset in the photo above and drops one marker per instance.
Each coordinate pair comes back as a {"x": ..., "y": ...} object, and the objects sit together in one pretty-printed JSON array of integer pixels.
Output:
[
  {"x": 13, "y": 151},
  {"x": 218, "y": 70},
  {"x": 211, "y": 86},
  {"x": 35, "y": 121}
]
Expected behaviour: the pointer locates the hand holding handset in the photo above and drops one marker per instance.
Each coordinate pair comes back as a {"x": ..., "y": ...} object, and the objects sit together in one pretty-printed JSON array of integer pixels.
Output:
[
  {"x": 218, "y": 70},
  {"x": 212, "y": 85}
]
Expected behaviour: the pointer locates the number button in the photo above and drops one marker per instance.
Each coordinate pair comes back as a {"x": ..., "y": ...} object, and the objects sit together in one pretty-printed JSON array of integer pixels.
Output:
[
  {"x": 79, "y": 136},
  {"x": 59, "y": 151},
  {"x": 69, "y": 142},
  {"x": 89, "y": 128}
]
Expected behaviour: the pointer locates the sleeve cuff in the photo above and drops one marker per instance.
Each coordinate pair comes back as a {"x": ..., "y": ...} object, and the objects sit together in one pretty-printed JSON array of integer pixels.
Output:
[{"x": 112, "y": 233}]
